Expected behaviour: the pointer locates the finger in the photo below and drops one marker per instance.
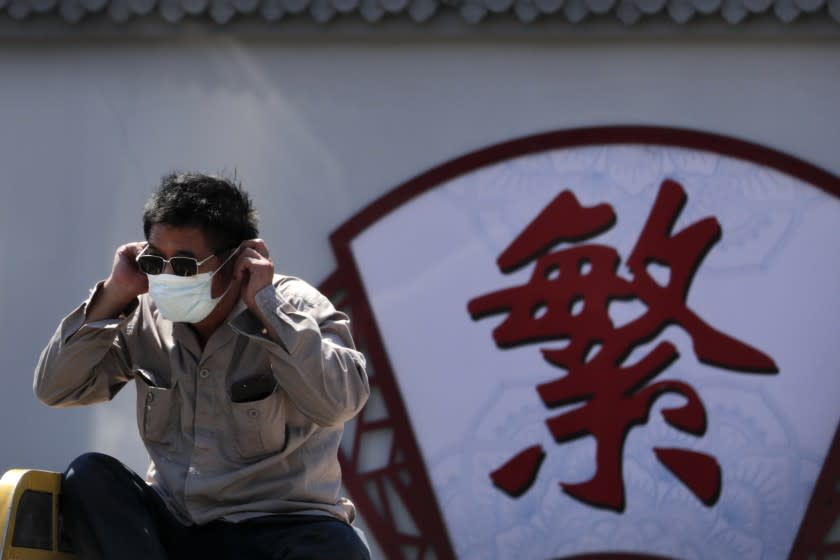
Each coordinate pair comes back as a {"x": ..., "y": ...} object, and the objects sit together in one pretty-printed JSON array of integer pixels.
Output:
[
  {"x": 257, "y": 245},
  {"x": 250, "y": 253},
  {"x": 133, "y": 249},
  {"x": 259, "y": 272},
  {"x": 138, "y": 248},
  {"x": 251, "y": 261},
  {"x": 245, "y": 263}
]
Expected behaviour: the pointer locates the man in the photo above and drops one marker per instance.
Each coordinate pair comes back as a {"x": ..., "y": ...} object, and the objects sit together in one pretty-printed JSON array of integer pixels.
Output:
[{"x": 244, "y": 380}]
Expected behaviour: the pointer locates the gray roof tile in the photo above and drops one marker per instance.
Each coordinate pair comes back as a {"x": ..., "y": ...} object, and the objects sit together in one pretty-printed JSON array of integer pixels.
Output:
[
  {"x": 171, "y": 10},
  {"x": 600, "y": 7},
  {"x": 628, "y": 12},
  {"x": 681, "y": 10},
  {"x": 707, "y": 7},
  {"x": 296, "y": 6},
  {"x": 272, "y": 10},
  {"x": 71, "y": 10},
  {"x": 194, "y": 7},
  {"x": 575, "y": 10},
  {"x": 322, "y": 11},
  {"x": 473, "y": 11},
  {"x": 19, "y": 9},
  {"x": 786, "y": 10},
  {"x": 810, "y": 5},
  {"x": 651, "y": 7},
  {"x": 526, "y": 10},
  {"x": 422, "y": 10},
  {"x": 733, "y": 11},
  {"x": 221, "y": 11},
  {"x": 548, "y": 6},
  {"x": 499, "y": 6},
  {"x": 371, "y": 10},
  {"x": 346, "y": 6},
  {"x": 43, "y": 6},
  {"x": 119, "y": 11}
]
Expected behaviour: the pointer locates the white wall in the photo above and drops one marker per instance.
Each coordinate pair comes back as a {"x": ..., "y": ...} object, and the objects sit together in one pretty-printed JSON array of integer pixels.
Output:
[{"x": 316, "y": 130}]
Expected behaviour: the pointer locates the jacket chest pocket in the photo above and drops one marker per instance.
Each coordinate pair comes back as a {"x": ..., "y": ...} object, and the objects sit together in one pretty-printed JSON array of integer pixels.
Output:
[
  {"x": 259, "y": 427},
  {"x": 157, "y": 415}
]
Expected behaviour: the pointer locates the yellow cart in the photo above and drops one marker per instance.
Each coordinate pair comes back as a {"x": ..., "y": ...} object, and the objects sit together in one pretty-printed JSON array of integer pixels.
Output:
[{"x": 30, "y": 517}]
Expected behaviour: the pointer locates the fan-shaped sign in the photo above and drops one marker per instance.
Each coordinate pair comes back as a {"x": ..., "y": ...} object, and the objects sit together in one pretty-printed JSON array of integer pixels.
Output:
[{"x": 599, "y": 341}]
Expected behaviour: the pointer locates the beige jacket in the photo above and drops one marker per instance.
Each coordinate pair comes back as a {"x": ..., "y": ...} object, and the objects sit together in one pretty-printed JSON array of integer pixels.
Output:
[{"x": 212, "y": 457}]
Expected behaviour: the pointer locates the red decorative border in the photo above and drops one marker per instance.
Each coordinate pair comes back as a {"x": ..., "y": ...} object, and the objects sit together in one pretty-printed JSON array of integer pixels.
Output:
[{"x": 403, "y": 481}]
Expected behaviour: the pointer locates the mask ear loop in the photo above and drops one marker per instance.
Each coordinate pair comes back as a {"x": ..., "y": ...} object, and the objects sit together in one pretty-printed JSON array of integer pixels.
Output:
[
  {"x": 221, "y": 266},
  {"x": 224, "y": 262}
]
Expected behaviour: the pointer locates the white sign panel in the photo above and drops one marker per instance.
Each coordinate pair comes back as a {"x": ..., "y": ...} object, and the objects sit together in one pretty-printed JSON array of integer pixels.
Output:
[{"x": 614, "y": 348}]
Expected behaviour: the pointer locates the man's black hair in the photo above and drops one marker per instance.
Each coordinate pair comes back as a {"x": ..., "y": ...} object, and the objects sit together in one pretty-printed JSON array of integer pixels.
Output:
[{"x": 217, "y": 205}]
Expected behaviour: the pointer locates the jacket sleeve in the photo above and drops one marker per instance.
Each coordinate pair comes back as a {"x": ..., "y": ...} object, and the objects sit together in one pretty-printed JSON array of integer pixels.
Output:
[
  {"x": 311, "y": 350},
  {"x": 83, "y": 363}
]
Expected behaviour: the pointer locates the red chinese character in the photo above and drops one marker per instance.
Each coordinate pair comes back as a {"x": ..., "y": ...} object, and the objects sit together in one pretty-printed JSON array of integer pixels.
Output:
[{"x": 567, "y": 298}]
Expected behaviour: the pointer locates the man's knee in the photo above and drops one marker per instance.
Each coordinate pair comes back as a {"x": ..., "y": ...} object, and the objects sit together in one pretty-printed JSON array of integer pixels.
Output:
[
  {"x": 363, "y": 547},
  {"x": 90, "y": 469},
  {"x": 348, "y": 542},
  {"x": 307, "y": 538}
]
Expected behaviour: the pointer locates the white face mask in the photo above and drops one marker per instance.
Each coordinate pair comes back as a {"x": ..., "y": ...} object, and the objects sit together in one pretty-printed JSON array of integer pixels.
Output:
[{"x": 185, "y": 299}]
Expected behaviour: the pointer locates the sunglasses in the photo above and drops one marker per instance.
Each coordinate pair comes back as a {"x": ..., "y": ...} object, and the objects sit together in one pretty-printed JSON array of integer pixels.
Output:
[{"x": 181, "y": 266}]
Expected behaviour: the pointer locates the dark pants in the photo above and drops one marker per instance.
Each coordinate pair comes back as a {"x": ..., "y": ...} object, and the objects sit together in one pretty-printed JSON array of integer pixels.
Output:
[{"x": 112, "y": 514}]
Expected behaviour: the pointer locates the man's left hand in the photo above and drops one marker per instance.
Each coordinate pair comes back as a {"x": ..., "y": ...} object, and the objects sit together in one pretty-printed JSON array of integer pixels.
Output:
[{"x": 254, "y": 269}]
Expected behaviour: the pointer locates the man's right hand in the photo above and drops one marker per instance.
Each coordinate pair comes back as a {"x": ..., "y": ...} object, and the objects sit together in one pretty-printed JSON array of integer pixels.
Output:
[{"x": 125, "y": 283}]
